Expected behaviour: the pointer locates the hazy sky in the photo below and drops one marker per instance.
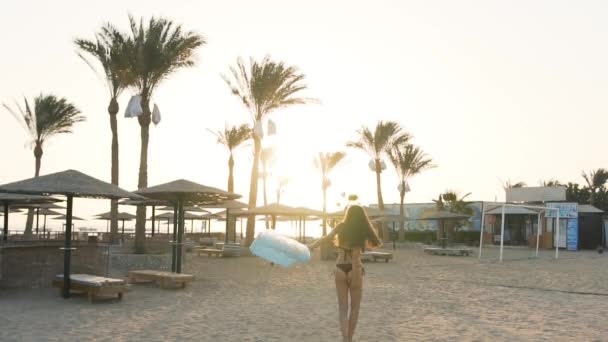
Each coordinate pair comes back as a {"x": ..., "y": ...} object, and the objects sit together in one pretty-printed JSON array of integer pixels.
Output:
[{"x": 491, "y": 90}]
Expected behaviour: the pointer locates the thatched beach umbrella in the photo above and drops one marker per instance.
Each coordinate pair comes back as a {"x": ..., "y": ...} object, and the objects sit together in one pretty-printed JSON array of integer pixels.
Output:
[
  {"x": 394, "y": 219},
  {"x": 122, "y": 216},
  {"x": 70, "y": 183},
  {"x": 39, "y": 209},
  {"x": 16, "y": 199},
  {"x": 182, "y": 193},
  {"x": 146, "y": 203},
  {"x": 45, "y": 212},
  {"x": 229, "y": 206},
  {"x": 441, "y": 216}
]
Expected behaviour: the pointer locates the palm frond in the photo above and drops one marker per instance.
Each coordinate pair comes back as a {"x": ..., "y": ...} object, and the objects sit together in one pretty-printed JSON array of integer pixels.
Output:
[
  {"x": 110, "y": 51},
  {"x": 49, "y": 116},
  {"x": 265, "y": 86},
  {"x": 409, "y": 160},
  {"x": 156, "y": 50}
]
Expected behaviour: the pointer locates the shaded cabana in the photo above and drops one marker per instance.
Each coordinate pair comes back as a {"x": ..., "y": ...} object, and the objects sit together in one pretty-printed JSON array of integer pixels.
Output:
[
  {"x": 181, "y": 193},
  {"x": 515, "y": 236},
  {"x": 71, "y": 184},
  {"x": 122, "y": 216},
  {"x": 8, "y": 200}
]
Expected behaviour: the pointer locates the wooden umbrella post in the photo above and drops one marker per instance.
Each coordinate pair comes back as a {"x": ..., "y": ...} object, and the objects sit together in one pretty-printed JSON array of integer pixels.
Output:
[
  {"x": 153, "y": 218},
  {"x": 180, "y": 233},
  {"x": 174, "y": 241},
  {"x": 67, "y": 250}
]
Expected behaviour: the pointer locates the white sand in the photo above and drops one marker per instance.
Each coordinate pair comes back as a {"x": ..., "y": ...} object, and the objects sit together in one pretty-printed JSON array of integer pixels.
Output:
[{"x": 415, "y": 297}]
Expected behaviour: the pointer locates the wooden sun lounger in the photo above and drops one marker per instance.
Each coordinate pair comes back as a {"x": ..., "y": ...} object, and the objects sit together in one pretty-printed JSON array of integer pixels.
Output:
[
  {"x": 162, "y": 278},
  {"x": 93, "y": 286},
  {"x": 449, "y": 251},
  {"x": 227, "y": 250},
  {"x": 209, "y": 251},
  {"x": 367, "y": 256}
]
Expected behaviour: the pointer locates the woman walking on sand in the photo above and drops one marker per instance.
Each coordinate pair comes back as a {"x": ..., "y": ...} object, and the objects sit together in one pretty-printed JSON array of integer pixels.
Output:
[{"x": 353, "y": 236}]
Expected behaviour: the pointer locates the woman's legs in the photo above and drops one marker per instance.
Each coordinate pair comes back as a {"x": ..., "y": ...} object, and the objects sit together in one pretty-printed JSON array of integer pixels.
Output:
[
  {"x": 342, "y": 291},
  {"x": 356, "y": 291}
]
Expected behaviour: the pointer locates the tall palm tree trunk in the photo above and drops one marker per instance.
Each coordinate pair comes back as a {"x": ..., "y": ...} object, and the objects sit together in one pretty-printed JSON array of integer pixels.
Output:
[
  {"x": 140, "y": 223},
  {"x": 29, "y": 223},
  {"x": 383, "y": 229},
  {"x": 401, "y": 213},
  {"x": 230, "y": 173},
  {"x": 113, "y": 111},
  {"x": 324, "y": 211},
  {"x": 253, "y": 190}
]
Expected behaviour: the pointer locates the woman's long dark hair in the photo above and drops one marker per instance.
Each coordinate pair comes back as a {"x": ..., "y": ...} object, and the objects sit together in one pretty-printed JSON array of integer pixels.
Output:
[{"x": 357, "y": 230}]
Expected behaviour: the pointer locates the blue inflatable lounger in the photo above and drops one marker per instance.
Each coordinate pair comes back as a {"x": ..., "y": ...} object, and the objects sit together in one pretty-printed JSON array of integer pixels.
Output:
[{"x": 279, "y": 249}]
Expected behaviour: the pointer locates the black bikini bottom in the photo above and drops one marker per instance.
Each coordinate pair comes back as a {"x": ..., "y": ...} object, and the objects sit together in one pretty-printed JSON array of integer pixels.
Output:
[{"x": 346, "y": 268}]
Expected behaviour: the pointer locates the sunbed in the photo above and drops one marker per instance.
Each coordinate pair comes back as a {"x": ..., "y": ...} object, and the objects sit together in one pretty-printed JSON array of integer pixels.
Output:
[
  {"x": 161, "y": 278},
  {"x": 93, "y": 286}
]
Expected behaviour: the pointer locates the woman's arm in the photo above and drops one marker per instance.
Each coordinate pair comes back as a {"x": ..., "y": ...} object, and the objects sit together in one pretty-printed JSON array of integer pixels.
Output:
[{"x": 326, "y": 238}]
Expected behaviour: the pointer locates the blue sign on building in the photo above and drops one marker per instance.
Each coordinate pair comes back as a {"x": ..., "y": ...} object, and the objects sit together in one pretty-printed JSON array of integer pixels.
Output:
[{"x": 572, "y": 235}]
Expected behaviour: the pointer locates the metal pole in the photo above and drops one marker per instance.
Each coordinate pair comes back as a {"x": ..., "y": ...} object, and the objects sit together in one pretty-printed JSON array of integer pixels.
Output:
[
  {"x": 557, "y": 236},
  {"x": 481, "y": 229},
  {"x": 123, "y": 230},
  {"x": 538, "y": 234},
  {"x": 5, "y": 234},
  {"x": 44, "y": 227},
  {"x": 180, "y": 233},
  {"x": 67, "y": 250},
  {"x": 502, "y": 232},
  {"x": 174, "y": 240}
]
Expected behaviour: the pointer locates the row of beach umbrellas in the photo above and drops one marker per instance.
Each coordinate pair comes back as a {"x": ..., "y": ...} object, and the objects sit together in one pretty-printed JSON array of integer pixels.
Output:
[{"x": 178, "y": 195}]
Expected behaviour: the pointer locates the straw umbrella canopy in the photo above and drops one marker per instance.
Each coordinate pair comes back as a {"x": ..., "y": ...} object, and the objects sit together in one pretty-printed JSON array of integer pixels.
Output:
[
  {"x": 64, "y": 217},
  {"x": 122, "y": 216},
  {"x": 69, "y": 183},
  {"x": 8, "y": 199},
  {"x": 182, "y": 193}
]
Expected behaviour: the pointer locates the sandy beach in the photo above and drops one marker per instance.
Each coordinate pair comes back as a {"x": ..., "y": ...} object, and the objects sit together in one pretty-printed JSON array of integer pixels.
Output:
[{"x": 414, "y": 297}]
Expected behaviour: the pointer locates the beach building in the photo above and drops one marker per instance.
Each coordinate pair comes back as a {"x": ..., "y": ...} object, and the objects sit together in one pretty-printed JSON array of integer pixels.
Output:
[{"x": 582, "y": 226}]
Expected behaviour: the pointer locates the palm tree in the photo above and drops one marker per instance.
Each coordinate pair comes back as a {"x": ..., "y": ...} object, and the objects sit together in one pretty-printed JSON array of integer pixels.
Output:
[
  {"x": 232, "y": 138},
  {"x": 378, "y": 143},
  {"x": 551, "y": 183},
  {"x": 154, "y": 51},
  {"x": 48, "y": 116},
  {"x": 108, "y": 49},
  {"x": 596, "y": 179},
  {"x": 263, "y": 87},
  {"x": 326, "y": 162},
  {"x": 452, "y": 202},
  {"x": 511, "y": 185},
  {"x": 408, "y": 160}
]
